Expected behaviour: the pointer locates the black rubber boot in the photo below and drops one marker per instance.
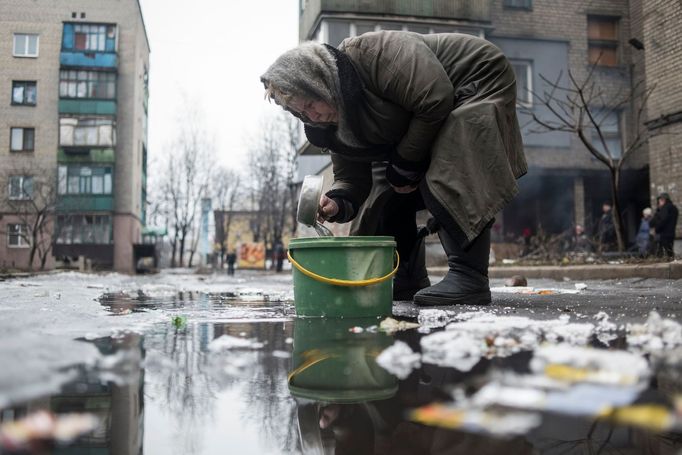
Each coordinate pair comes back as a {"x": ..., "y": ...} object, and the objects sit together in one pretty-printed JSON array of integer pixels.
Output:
[
  {"x": 411, "y": 275},
  {"x": 467, "y": 278}
]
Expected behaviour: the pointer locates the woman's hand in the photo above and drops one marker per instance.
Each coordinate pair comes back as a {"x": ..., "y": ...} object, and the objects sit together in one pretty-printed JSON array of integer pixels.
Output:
[{"x": 327, "y": 209}]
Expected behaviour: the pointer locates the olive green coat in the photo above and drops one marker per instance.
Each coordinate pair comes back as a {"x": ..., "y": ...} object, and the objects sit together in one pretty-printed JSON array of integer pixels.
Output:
[{"x": 448, "y": 98}]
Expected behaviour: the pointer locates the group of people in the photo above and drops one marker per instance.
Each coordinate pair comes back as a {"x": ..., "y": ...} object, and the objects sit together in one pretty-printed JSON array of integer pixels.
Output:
[{"x": 655, "y": 236}]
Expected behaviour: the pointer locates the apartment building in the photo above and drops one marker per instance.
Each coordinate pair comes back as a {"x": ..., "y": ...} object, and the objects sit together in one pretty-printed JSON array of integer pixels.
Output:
[
  {"x": 73, "y": 132},
  {"x": 543, "y": 39}
]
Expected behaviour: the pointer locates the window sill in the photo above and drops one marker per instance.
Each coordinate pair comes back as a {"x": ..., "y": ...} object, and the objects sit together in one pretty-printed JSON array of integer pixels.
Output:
[
  {"x": 18, "y": 247},
  {"x": 22, "y": 151},
  {"x": 519, "y": 8},
  {"x": 18, "y": 199},
  {"x": 23, "y": 104},
  {"x": 25, "y": 56}
]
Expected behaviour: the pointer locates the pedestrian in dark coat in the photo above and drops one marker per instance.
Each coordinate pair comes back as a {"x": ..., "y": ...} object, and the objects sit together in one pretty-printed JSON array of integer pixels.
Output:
[
  {"x": 664, "y": 223},
  {"x": 606, "y": 231},
  {"x": 412, "y": 121}
]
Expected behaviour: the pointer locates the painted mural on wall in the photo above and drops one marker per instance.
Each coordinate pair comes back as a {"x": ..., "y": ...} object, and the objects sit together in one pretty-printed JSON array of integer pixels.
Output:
[{"x": 252, "y": 255}]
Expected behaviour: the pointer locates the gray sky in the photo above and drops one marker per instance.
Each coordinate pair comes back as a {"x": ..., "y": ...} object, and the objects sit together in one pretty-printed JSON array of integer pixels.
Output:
[{"x": 214, "y": 51}]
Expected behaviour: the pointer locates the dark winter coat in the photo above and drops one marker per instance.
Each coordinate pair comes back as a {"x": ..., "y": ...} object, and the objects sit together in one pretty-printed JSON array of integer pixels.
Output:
[
  {"x": 440, "y": 105},
  {"x": 665, "y": 221}
]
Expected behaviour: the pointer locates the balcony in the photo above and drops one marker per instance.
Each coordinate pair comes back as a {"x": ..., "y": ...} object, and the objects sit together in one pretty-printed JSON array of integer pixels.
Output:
[
  {"x": 438, "y": 10},
  {"x": 85, "y": 106},
  {"x": 85, "y": 155},
  {"x": 85, "y": 203},
  {"x": 86, "y": 59}
]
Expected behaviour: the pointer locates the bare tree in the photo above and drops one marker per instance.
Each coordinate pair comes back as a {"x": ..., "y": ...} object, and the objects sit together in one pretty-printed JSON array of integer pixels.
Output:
[
  {"x": 186, "y": 181},
  {"x": 32, "y": 200},
  {"x": 272, "y": 167},
  {"x": 583, "y": 108}
]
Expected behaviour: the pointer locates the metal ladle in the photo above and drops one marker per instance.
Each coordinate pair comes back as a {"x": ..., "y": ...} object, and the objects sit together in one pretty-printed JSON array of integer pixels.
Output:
[{"x": 308, "y": 202}]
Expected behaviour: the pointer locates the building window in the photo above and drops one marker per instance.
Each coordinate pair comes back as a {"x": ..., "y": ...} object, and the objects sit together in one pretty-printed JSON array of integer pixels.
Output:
[
  {"x": 17, "y": 236},
  {"x": 90, "y": 37},
  {"x": 22, "y": 139},
  {"x": 20, "y": 187},
  {"x": 87, "y": 84},
  {"x": 84, "y": 180},
  {"x": 524, "y": 82},
  {"x": 602, "y": 40},
  {"x": 25, "y": 45},
  {"x": 86, "y": 132},
  {"x": 609, "y": 124},
  {"x": 24, "y": 93},
  {"x": 521, "y": 4},
  {"x": 79, "y": 229}
]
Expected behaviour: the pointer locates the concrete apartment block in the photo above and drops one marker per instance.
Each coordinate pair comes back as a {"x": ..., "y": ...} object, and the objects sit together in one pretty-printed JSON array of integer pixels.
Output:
[{"x": 119, "y": 207}]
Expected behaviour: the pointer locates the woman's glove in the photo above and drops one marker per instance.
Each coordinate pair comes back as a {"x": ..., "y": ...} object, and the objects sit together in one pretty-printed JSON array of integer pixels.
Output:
[{"x": 398, "y": 177}]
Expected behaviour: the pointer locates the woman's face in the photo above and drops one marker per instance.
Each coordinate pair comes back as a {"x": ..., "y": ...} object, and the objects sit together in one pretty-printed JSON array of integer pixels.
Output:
[{"x": 317, "y": 111}]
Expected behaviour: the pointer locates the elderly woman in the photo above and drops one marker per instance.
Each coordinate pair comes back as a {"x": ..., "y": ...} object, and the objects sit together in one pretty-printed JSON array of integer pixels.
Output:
[{"x": 412, "y": 121}]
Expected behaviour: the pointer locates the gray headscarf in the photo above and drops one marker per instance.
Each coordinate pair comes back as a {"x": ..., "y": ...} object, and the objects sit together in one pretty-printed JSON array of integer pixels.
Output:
[{"x": 310, "y": 71}]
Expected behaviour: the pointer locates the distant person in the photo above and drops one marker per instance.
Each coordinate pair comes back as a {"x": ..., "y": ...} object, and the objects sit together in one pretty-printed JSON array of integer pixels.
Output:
[
  {"x": 278, "y": 255},
  {"x": 643, "y": 239},
  {"x": 231, "y": 259},
  {"x": 578, "y": 241},
  {"x": 606, "y": 231},
  {"x": 664, "y": 223}
]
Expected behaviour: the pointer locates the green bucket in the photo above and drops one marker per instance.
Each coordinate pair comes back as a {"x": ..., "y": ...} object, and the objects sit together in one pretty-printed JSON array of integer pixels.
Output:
[
  {"x": 343, "y": 276},
  {"x": 333, "y": 365}
]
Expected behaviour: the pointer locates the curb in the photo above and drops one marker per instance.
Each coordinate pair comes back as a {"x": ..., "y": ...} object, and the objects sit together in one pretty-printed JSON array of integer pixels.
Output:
[{"x": 667, "y": 270}]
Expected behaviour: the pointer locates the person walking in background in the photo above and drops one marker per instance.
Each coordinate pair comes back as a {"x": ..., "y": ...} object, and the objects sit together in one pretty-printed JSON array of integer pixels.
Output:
[
  {"x": 664, "y": 223},
  {"x": 578, "y": 242},
  {"x": 231, "y": 259},
  {"x": 606, "y": 231},
  {"x": 643, "y": 240},
  {"x": 412, "y": 121}
]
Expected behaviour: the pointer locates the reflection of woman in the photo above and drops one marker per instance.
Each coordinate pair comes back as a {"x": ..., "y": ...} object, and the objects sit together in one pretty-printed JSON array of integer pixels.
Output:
[{"x": 411, "y": 121}]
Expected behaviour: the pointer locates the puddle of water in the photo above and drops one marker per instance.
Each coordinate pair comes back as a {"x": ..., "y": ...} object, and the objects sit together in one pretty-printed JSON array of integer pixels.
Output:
[{"x": 234, "y": 376}]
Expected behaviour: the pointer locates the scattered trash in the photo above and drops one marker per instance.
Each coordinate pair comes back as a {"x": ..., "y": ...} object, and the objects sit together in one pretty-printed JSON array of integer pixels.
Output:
[
  {"x": 281, "y": 354},
  {"x": 356, "y": 329},
  {"x": 655, "y": 335},
  {"x": 508, "y": 261},
  {"x": 498, "y": 422},
  {"x": 45, "y": 427},
  {"x": 226, "y": 342},
  {"x": 531, "y": 290},
  {"x": 516, "y": 280},
  {"x": 433, "y": 318},
  {"x": 399, "y": 360},
  {"x": 391, "y": 325},
  {"x": 580, "y": 286}
]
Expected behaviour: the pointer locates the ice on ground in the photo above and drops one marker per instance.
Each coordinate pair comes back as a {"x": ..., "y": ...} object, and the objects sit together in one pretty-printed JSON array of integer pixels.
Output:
[
  {"x": 529, "y": 290},
  {"x": 431, "y": 318},
  {"x": 391, "y": 325},
  {"x": 655, "y": 335},
  {"x": 454, "y": 349},
  {"x": 399, "y": 360},
  {"x": 226, "y": 342}
]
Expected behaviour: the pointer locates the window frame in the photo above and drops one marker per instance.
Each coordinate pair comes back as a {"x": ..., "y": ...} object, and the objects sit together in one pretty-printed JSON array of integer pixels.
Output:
[
  {"x": 22, "y": 231},
  {"x": 619, "y": 133},
  {"x": 23, "y": 139},
  {"x": 511, "y": 4},
  {"x": 529, "y": 77},
  {"x": 25, "y": 195},
  {"x": 24, "y": 83},
  {"x": 67, "y": 172},
  {"x": 81, "y": 126},
  {"x": 75, "y": 227},
  {"x": 67, "y": 80},
  {"x": 602, "y": 43},
  {"x": 26, "y": 55}
]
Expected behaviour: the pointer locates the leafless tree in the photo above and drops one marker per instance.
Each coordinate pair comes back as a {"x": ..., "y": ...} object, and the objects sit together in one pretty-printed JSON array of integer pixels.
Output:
[
  {"x": 582, "y": 107},
  {"x": 33, "y": 204},
  {"x": 186, "y": 181},
  {"x": 272, "y": 167},
  {"x": 226, "y": 191}
]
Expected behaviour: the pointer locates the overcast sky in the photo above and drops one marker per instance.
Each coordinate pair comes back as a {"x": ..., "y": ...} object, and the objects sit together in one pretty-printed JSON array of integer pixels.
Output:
[{"x": 214, "y": 51}]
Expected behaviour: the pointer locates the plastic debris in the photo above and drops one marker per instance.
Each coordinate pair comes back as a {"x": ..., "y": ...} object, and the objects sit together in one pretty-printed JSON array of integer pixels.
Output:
[
  {"x": 580, "y": 286},
  {"x": 44, "y": 426},
  {"x": 356, "y": 329},
  {"x": 399, "y": 360},
  {"x": 516, "y": 280},
  {"x": 498, "y": 422},
  {"x": 391, "y": 325}
]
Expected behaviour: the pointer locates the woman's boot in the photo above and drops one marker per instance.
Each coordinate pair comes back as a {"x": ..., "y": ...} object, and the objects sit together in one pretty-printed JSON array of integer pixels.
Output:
[{"x": 467, "y": 278}]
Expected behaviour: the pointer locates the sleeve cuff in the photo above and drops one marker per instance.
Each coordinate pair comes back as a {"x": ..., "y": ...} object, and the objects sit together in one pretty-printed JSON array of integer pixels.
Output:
[{"x": 347, "y": 209}]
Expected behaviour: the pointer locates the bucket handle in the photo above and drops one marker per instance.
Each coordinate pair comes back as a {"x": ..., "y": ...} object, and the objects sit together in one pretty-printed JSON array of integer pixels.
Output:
[{"x": 340, "y": 282}]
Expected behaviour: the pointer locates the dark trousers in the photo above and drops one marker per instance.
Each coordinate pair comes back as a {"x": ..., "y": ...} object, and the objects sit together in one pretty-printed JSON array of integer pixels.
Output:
[
  {"x": 665, "y": 247},
  {"x": 398, "y": 219}
]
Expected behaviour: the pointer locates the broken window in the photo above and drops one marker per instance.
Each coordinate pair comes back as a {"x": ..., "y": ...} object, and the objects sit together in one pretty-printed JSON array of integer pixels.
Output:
[
  {"x": 90, "y": 37},
  {"x": 602, "y": 40},
  {"x": 24, "y": 93},
  {"x": 20, "y": 187}
]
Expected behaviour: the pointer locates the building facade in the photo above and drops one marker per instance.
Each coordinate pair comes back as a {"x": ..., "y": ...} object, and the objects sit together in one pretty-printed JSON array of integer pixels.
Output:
[
  {"x": 543, "y": 40},
  {"x": 73, "y": 121}
]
